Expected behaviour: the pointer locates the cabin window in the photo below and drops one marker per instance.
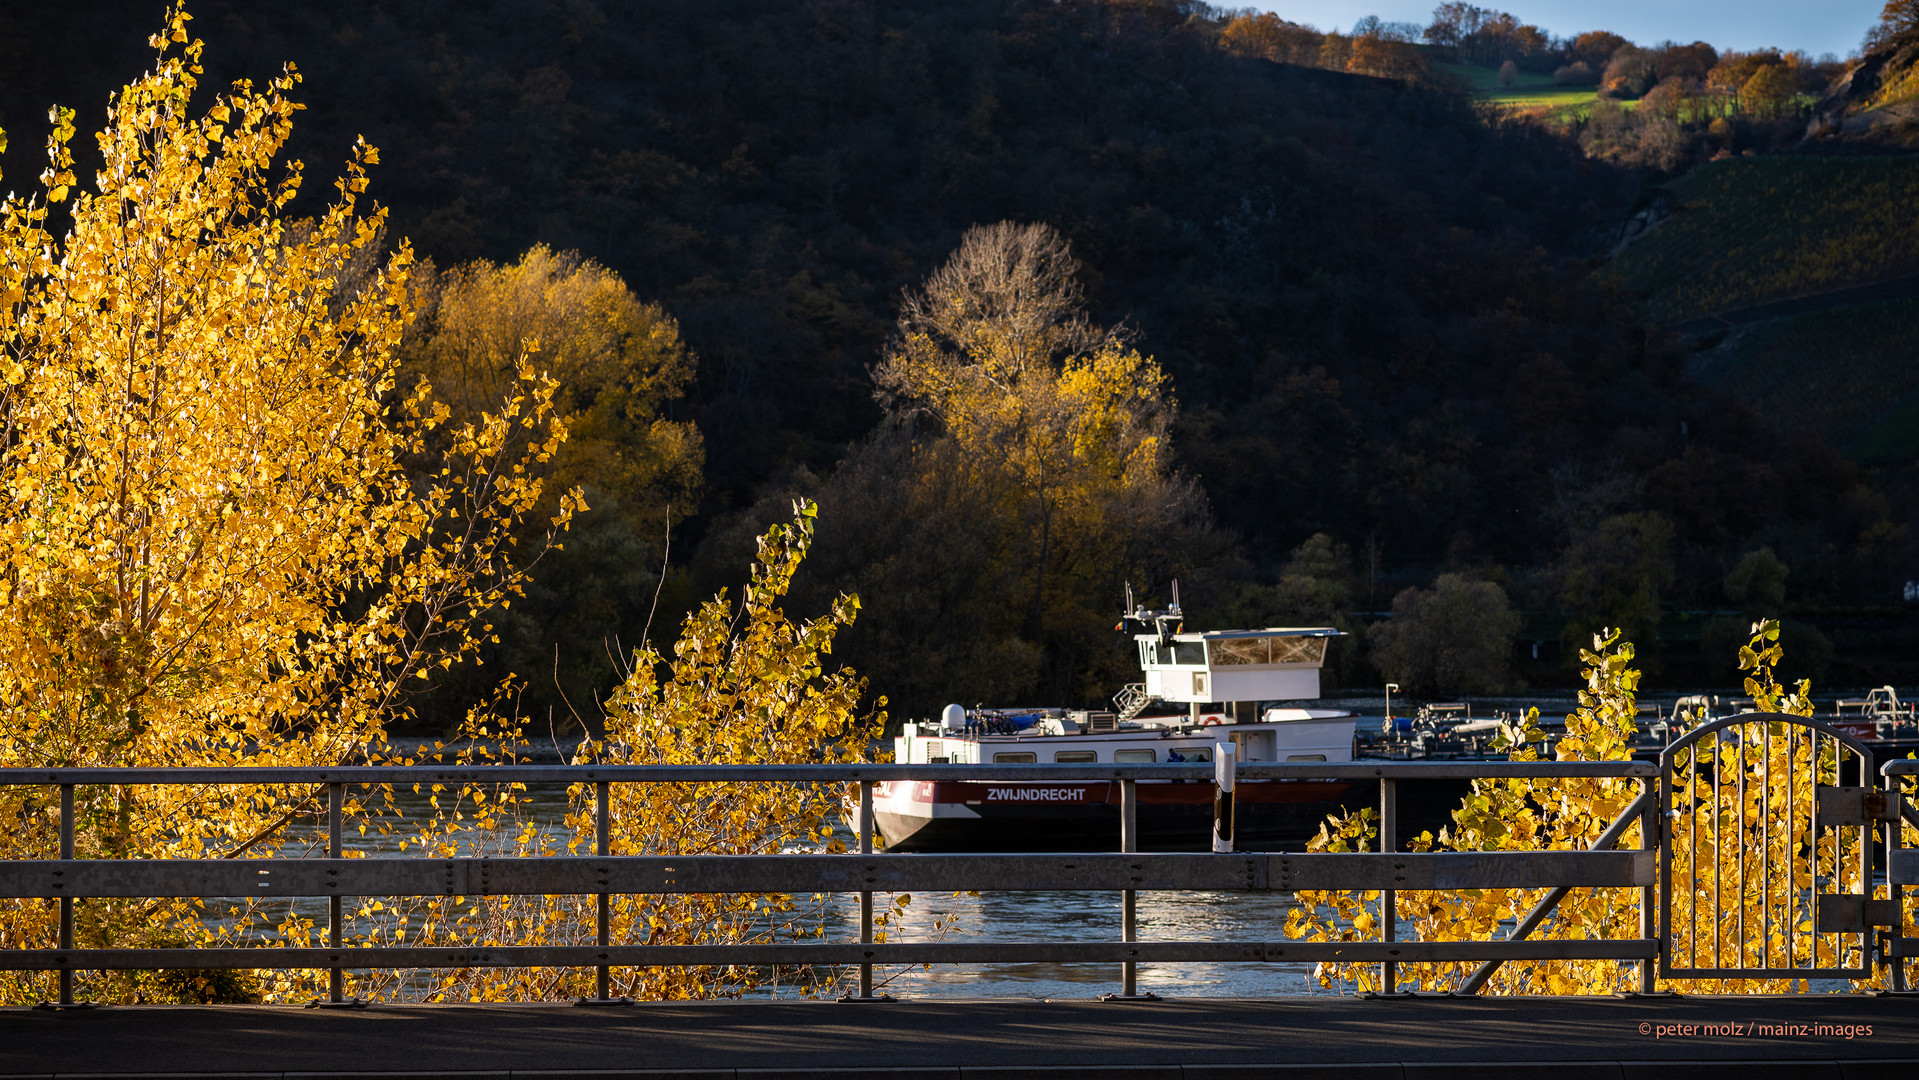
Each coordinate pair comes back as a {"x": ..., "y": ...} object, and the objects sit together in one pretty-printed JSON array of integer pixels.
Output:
[
  {"x": 1067, "y": 757},
  {"x": 1132, "y": 756},
  {"x": 1305, "y": 757},
  {"x": 1299, "y": 650},
  {"x": 941, "y": 760},
  {"x": 1191, "y": 653},
  {"x": 1286, "y": 649},
  {"x": 1025, "y": 757},
  {"x": 1228, "y": 651}
]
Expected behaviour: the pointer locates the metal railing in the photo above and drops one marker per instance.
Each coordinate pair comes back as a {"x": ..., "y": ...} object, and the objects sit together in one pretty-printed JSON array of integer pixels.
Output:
[
  {"x": 602, "y": 875},
  {"x": 1902, "y": 867}
]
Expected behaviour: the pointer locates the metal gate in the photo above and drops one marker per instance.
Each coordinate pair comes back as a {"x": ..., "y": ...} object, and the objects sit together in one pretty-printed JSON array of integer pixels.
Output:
[{"x": 1766, "y": 862}]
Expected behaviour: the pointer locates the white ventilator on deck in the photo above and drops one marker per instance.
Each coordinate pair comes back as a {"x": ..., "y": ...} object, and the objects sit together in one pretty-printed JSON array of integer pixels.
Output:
[{"x": 1274, "y": 664}]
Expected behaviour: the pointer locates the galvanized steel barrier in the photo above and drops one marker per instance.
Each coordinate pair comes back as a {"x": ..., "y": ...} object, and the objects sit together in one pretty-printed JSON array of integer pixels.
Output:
[
  {"x": 1902, "y": 869},
  {"x": 1772, "y": 832},
  {"x": 602, "y": 875}
]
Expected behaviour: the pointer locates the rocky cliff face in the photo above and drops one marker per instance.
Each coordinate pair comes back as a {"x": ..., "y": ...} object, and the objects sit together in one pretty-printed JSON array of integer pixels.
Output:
[{"x": 1877, "y": 102}]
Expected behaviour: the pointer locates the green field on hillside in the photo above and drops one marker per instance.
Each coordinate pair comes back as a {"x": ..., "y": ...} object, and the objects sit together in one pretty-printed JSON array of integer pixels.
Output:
[
  {"x": 1848, "y": 375},
  {"x": 1754, "y": 230},
  {"x": 1487, "y": 79},
  {"x": 1530, "y": 93}
]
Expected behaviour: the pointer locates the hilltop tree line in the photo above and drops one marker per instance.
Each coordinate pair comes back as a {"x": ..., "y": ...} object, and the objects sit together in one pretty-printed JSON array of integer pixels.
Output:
[
  {"x": 1694, "y": 101},
  {"x": 1316, "y": 337}
]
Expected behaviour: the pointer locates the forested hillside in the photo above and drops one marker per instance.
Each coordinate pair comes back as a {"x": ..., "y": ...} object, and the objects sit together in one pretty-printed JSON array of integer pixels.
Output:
[{"x": 1374, "y": 308}]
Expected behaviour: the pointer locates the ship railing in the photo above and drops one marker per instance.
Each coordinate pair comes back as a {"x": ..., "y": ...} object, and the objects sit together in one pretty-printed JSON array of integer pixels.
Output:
[{"x": 70, "y": 880}]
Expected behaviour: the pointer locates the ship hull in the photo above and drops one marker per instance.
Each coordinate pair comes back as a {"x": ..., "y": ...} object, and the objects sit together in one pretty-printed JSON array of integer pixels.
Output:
[{"x": 1085, "y": 816}]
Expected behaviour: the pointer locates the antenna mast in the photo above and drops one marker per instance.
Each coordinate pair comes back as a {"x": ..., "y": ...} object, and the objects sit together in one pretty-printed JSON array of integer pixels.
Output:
[{"x": 1160, "y": 623}]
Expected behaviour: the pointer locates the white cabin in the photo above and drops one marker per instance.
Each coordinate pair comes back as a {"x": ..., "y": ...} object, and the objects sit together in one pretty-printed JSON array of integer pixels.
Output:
[{"x": 1275, "y": 664}]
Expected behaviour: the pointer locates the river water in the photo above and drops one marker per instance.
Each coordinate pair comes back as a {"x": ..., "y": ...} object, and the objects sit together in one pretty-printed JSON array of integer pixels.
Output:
[
  {"x": 991, "y": 916},
  {"x": 1088, "y": 916}
]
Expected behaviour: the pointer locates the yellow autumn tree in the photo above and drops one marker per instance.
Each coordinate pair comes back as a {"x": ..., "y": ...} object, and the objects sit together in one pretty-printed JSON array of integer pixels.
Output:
[
  {"x": 746, "y": 684},
  {"x": 620, "y": 362},
  {"x": 1062, "y": 421},
  {"x": 211, "y": 551}
]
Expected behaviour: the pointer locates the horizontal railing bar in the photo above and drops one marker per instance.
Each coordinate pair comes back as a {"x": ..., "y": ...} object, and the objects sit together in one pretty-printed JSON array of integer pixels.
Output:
[
  {"x": 1052, "y": 952},
  {"x": 1900, "y": 767},
  {"x": 685, "y": 774},
  {"x": 562, "y": 874},
  {"x": 1768, "y": 973}
]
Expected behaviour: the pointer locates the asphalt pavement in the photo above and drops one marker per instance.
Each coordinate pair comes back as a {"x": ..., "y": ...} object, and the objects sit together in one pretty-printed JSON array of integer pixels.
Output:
[{"x": 1688, "y": 1038}]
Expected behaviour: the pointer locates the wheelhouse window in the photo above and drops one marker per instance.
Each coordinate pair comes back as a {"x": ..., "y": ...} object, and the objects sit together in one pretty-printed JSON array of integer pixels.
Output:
[
  {"x": 1177, "y": 652},
  {"x": 1016, "y": 757},
  {"x": 1068, "y": 757},
  {"x": 1299, "y": 650},
  {"x": 1250, "y": 650},
  {"x": 1276, "y": 649}
]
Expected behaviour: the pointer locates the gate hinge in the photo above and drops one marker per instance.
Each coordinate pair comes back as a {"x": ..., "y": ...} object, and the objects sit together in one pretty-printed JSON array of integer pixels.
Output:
[
  {"x": 1853, "y": 913},
  {"x": 1842, "y": 806}
]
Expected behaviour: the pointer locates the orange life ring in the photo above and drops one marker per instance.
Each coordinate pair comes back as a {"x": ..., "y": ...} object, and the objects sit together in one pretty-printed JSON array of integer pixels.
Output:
[{"x": 1209, "y": 721}]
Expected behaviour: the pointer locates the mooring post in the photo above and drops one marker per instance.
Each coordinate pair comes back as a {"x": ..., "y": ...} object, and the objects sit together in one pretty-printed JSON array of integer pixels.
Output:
[
  {"x": 336, "y": 976},
  {"x": 603, "y": 847},
  {"x": 66, "y": 902},
  {"x": 1389, "y": 898},
  {"x": 866, "y": 898},
  {"x": 1224, "y": 774}
]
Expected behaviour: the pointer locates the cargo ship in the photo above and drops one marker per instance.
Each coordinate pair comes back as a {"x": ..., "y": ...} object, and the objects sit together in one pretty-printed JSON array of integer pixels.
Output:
[{"x": 1245, "y": 688}]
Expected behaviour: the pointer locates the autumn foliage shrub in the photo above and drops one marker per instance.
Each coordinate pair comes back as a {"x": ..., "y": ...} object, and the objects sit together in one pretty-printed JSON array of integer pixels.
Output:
[
  {"x": 218, "y": 542},
  {"x": 1726, "y": 824},
  {"x": 231, "y": 535}
]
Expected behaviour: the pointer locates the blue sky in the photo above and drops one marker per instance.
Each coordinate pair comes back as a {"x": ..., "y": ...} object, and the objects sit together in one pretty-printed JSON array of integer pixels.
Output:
[{"x": 1832, "y": 26}]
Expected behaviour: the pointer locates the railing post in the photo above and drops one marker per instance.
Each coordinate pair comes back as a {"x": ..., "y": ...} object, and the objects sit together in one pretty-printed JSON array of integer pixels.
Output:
[
  {"x": 1389, "y": 898},
  {"x": 1895, "y": 835},
  {"x": 1129, "y": 900},
  {"x": 336, "y": 977},
  {"x": 1649, "y": 840},
  {"x": 603, "y": 900},
  {"x": 603, "y": 847},
  {"x": 66, "y": 902},
  {"x": 866, "y": 898}
]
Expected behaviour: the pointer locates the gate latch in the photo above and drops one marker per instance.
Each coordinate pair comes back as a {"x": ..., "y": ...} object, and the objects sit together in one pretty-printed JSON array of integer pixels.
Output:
[
  {"x": 1842, "y": 806},
  {"x": 1853, "y": 913}
]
